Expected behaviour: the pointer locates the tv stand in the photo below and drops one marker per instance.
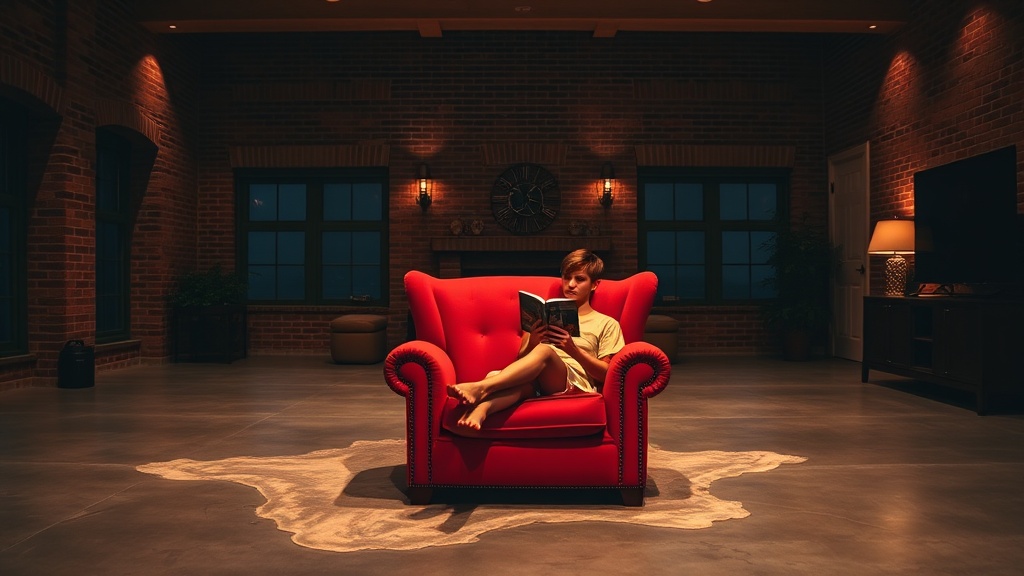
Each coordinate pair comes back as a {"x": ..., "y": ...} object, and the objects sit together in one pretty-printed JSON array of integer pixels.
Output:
[{"x": 973, "y": 344}]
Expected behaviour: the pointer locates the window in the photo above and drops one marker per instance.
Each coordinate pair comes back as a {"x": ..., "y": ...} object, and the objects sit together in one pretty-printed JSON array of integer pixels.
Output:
[
  {"x": 314, "y": 237},
  {"x": 13, "y": 331},
  {"x": 705, "y": 232},
  {"x": 113, "y": 225}
]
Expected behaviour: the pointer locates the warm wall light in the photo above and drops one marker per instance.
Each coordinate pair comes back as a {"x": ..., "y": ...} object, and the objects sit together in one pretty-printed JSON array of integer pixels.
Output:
[
  {"x": 606, "y": 185},
  {"x": 893, "y": 237},
  {"x": 424, "y": 186}
]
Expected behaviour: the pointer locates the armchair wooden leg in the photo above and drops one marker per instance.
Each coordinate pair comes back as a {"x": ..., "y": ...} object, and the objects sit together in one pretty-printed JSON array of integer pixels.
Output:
[
  {"x": 419, "y": 496},
  {"x": 632, "y": 496}
]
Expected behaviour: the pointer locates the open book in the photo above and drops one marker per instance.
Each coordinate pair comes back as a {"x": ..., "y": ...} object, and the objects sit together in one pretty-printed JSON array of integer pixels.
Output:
[{"x": 559, "y": 312}]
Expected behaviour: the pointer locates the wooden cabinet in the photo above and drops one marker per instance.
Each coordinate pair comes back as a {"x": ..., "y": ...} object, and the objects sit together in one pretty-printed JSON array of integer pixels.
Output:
[{"x": 971, "y": 344}]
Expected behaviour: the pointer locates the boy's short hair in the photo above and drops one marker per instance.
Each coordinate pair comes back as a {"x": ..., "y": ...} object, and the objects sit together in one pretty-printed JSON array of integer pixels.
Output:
[{"x": 585, "y": 260}]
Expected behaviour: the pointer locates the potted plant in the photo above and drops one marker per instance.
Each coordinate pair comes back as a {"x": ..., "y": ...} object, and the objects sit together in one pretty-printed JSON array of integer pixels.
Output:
[
  {"x": 209, "y": 315},
  {"x": 214, "y": 287},
  {"x": 804, "y": 261}
]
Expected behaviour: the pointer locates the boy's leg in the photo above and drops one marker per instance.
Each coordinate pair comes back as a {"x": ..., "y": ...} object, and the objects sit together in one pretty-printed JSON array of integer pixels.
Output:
[
  {"x": 500, "y": 400},
  {"x": 542, "y": 364}
]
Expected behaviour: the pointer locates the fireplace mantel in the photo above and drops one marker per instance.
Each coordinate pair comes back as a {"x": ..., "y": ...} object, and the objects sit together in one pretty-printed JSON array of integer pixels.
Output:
[
  {"x": 457, "y": 253},
  {"x": 519, "y": 243}
]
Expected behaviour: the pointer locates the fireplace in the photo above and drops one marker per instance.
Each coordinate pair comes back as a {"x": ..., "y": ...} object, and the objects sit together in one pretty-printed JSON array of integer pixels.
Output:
[{"x": 463, "y": 256}]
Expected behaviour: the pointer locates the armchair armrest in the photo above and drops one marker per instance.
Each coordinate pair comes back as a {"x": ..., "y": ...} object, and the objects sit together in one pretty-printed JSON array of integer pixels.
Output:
[
  {"x": 420, "y": 371},
  {"x": 638, "y": 372}
]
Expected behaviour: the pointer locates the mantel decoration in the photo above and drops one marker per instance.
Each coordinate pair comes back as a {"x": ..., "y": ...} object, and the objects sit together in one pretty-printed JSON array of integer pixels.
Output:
[{"x": 525, "y": 198}]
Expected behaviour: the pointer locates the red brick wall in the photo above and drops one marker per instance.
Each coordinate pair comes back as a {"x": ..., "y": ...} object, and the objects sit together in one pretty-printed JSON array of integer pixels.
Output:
[
  {"x": 566, "y": 99},
  {"x": 944, "y": 88},
  {"x": 571, "y": 101},
  {"x": 86, "y": 65}
]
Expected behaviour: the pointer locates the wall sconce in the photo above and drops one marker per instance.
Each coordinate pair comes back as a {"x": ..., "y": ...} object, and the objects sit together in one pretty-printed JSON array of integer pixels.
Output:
[
  {"x": 893, "y": 237},
  {"x": 424, "y": 186},
  {"x": 606, "y": 185}
]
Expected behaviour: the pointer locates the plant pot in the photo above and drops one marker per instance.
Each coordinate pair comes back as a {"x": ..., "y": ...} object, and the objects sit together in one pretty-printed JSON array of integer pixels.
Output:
[
  {"x": 210, "y": 333},
  {"x": 796, "y": 345}
]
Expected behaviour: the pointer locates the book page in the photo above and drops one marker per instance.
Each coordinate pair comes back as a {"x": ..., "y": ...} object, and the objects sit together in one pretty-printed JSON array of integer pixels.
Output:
[
  {"x": 531, "y": 309},
  {"x": 562, "y": 312}
]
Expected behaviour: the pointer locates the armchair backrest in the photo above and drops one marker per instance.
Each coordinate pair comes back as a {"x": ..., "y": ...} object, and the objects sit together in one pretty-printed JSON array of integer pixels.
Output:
[{"x": 476, "y": 320}]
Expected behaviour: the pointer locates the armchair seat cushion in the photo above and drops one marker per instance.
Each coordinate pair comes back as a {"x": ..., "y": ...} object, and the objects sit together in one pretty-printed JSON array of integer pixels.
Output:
[{"x": 559, "y": 416}]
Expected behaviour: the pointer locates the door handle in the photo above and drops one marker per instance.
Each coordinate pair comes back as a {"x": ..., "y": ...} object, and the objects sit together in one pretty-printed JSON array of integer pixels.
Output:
[{"x": 861, "y": 269}]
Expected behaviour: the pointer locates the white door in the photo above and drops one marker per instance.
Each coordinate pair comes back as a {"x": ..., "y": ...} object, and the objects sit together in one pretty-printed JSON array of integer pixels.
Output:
[{"x": 849, "y": 217}]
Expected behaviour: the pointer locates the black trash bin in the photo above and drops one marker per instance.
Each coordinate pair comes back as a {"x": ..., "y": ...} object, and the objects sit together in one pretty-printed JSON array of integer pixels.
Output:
[{"x": 76, "y": 366}]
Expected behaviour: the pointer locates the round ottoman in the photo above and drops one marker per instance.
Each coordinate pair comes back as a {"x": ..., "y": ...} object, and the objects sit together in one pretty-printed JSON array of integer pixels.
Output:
[
  {"x": 663, "y": 332},
  {"x": 359, "y": 338}
]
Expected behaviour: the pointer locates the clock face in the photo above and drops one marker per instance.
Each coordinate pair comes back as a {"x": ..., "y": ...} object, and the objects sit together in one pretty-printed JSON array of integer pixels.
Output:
[{"x": 525, "y": 198}]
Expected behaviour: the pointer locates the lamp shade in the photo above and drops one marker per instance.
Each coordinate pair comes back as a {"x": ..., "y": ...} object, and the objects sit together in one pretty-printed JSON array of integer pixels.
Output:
[{"x": 892, "y": 237}]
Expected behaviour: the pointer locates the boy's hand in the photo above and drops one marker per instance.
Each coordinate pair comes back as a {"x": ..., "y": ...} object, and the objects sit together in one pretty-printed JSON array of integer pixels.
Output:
[
  {"x": 537, "y": 332},
  {"x": 559, "y": 338}
]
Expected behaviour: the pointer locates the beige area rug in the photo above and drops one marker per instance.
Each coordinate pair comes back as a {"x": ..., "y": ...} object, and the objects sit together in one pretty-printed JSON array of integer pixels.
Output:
[{"x": 351, "y": 498}]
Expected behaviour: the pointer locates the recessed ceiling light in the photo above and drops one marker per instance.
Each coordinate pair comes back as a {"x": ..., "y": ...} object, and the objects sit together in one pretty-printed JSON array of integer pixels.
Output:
[
  {"x": 173, "y": 27},
  {"x": 873, "y": 26}
]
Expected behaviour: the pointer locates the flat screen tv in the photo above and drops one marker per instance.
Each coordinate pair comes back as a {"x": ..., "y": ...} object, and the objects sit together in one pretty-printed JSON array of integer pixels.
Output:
[{"x": 965, "y": 217}]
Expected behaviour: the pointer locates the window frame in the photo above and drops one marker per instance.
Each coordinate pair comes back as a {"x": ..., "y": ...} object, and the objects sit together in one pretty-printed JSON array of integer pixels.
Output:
[
  {"x": 314, "y": 226},
  {"x": 120, "y": 149},
  {"x": 13, "y": 197},
  {"x": 712, "y": 225}
]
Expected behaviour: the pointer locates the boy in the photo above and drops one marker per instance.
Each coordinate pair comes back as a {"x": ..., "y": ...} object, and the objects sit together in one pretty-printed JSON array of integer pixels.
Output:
[{"x": 550, "y": 360}]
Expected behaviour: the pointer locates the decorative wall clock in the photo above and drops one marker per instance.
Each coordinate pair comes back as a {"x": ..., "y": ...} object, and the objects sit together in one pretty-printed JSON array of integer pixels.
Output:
[{"x": 525, "y": 198}]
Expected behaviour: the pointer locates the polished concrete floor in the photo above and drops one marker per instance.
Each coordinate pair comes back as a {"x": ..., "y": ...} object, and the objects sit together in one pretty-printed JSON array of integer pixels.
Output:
[{"x": 898, "y": 479}]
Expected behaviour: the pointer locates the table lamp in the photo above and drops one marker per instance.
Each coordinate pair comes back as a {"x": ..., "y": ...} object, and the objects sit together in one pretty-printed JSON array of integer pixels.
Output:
[{"x": 893, "y": 237}]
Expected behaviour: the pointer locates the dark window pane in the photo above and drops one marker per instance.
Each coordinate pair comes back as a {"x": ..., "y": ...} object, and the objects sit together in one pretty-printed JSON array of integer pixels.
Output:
[
  {"x": 263, "y": 202},
  {"x": 366, "y": 201},
  {"x": 262, "y": 282},
  {"x": 291, "y": 248},
  {"x": 6, "y": 323},
  {"x": 661, "y": 248},
  {"x": 763, "y": 201},
  {"x": 366, "y": 281},
  {"x": 291, "y": 202},
  {"x": 5, "y": 230},
  {"x": 366, "y": 248},
  {"x": 733, "y": 201},
  {"x": 337, "y": 282},
  {"x": 690, "y": 247},
  {"x": 735, "y": 247},
  {"x": 291, "y": 282},
  {"x": 760, "y": 246},
  {"x": 735, "y": 282},
  {"x": 337, "y": 202},
  {"x": 6, "y": 277},
  {"x": 658, "y": 202},
  {"x": 337, "y": 248},
  {"x": 262, "y": 247},
  {"x": 692, "y": 282},
  {"x": 666, "y": 280},
  {"x": 689, "y": 202},
  {"x": 759, "y": 287}
]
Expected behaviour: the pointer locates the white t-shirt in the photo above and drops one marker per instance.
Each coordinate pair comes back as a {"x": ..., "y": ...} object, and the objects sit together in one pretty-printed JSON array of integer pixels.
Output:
[{"x": 600, "y": 336}]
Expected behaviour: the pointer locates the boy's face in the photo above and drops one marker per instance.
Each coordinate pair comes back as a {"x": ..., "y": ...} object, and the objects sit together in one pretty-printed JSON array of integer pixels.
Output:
[{"x": 577, "y": 285}]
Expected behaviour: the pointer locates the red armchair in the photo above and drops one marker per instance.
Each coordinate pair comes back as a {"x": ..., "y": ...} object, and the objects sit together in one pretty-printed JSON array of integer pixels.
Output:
[{"x": 466, "y": 327}]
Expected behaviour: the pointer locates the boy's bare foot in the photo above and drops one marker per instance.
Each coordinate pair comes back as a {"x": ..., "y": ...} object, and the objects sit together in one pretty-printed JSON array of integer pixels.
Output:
[
  {"x": 474, "y": 417},
  {"x": 465, "y": 393}
]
